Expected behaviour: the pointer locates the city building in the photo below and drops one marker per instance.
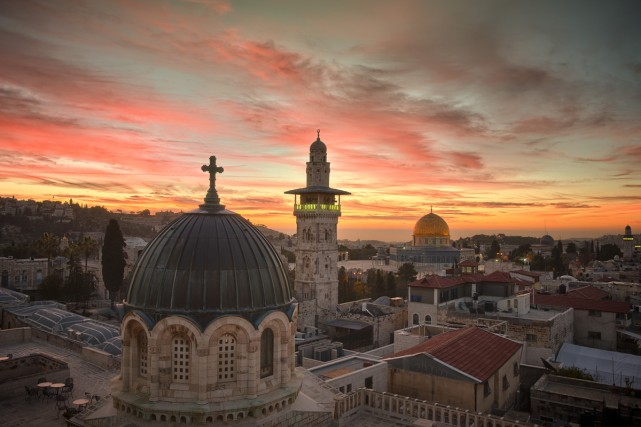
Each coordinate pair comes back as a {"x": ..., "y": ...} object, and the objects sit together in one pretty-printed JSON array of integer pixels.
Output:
[
  {"x": 317, "y": 208},
  {"x": 555, "y": 399},
  {"x": 469, "y": 368},
  {"x": 23, "y": 275},
  {"x": 598, "y": 318}
]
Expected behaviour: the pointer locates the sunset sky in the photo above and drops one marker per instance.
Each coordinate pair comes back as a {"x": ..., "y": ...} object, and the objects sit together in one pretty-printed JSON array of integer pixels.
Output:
[{"x": 516, "y": 117}]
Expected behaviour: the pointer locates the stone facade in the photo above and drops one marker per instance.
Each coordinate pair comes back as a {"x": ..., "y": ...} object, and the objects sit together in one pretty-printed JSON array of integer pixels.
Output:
[
  {"x": 317, "y": 214},
  {"x": 221, "y": 373},
  {"x": 23, "y": 275}
]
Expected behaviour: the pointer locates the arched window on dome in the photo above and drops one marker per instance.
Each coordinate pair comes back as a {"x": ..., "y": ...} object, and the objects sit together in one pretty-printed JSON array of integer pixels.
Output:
[
  {"x": 143, "y": 363},
  {"x": 267, "y": 353},
  {"x": 227, "y": 358},
  {"x": 180, "y": 359},
  {"x": 428, "y": 318},
  {"x": 415, "y": 319}
]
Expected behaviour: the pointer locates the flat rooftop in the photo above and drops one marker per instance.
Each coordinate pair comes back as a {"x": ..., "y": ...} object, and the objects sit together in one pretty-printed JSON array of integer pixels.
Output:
[
  {"x": 342, "y": 367},
  {"x": 16, "y": 411}
]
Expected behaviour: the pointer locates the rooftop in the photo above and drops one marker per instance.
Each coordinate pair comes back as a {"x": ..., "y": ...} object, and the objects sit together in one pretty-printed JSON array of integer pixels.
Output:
[
  {"x": 568, "y": 300},
  {"x": 473, "y": 351}
]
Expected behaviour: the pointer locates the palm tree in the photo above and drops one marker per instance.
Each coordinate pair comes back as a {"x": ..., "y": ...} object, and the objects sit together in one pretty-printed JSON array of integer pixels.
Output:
[
  {"x": 87, "y": 246},
  {"x": 48, "y": 243}
]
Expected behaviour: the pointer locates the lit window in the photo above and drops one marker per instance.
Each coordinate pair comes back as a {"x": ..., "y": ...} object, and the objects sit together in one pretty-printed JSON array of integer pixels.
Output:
[
  {"x": 226, "y": 357},
  {"x": 180, "y": 359}
]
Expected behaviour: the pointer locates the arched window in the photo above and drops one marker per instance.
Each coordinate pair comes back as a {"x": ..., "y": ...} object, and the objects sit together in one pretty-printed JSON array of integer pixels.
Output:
[
  {"x": 428, "y": 318},
  {"x": 267, "y": 353},
  {"x": 180, "y": 359},
  {"x": 415, "y": 319},
  {"x": 226, "y": 357},
  {"x": 144, "y": 356}
]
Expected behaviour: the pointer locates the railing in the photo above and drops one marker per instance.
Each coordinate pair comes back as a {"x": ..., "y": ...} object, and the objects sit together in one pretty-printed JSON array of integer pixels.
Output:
[
  {"x": 398, "y": 407},
  {"x": 316, "y": 207}
]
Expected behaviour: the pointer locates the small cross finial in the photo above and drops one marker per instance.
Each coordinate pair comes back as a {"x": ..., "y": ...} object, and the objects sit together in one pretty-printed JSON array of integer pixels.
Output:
[
  {"x": 212, "y": 201},
  {"x": 431, "y": 209},
  {"x": 318, "y": 133}
]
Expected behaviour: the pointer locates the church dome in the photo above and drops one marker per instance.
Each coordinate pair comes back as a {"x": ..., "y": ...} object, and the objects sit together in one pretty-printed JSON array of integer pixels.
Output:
[
  {"x": 431, "y": 225},
  {"x": 208, "y": 263}
]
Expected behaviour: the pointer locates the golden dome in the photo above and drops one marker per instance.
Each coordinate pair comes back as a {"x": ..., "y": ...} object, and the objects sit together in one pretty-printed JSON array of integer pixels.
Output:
[{"x": 431, "y": 225}]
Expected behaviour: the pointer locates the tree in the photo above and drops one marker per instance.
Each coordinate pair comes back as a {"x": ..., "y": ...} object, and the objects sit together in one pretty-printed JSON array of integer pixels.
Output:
[
  {"x": 390, "y": 283},
  {"x": 87, "y": 246},
  {"x": 51, "y": 287},
  {"x": 495, "y": 249},
  {"x": 113, "y": 259},
  {"x": 407, "y": 273},
  {"x": 570, "y": 248},
  {"x": 609, "y": 251},
  {"x": 48, "y": 243},
  {"x": 79, "y": 285},
  {"x": 145, "y": 212}
]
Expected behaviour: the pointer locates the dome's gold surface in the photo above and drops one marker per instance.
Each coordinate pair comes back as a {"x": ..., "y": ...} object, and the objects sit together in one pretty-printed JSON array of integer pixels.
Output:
[{"x": 431, "y": 225}]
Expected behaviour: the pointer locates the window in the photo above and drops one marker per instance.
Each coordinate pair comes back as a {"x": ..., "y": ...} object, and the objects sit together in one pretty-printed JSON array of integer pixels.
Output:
[
  {"x": 428, "y": 318},
  {"x": 594, "y": 313},
  {"x": 267, "y": 353},
  {"x": 486, "y": 389},
  {"x": 515, "y": 368},
  {"x": 530, "y": 337},
  {"x": 226, "y": 357},
  {"x": 349, "y": 388},
  {"x": 144, "y": 358},
  {"x": 369, "y": 382},
  {"x": 180, "y": 359},
  {"x": 594, "y": 335},
  {"x": 506, "y": 383},
  {"x": 415, "y": 319}
]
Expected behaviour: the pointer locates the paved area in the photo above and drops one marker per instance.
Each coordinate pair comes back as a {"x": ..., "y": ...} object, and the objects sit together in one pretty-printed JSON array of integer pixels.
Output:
[{"x": 89, "y": 378}]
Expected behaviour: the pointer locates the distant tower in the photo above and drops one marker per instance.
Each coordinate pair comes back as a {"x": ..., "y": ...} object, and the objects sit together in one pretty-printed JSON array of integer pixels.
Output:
[
  {"x": 317, "y": 212},
  {"x": 628, "y": 243}
]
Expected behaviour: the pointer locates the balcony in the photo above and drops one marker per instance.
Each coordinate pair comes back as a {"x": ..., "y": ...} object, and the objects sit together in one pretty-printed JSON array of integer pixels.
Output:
[{"x": 316, "y": 208}]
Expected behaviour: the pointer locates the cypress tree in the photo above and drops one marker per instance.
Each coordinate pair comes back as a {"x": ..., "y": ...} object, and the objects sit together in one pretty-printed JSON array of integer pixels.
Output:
[{"x": 113, "y": 259}]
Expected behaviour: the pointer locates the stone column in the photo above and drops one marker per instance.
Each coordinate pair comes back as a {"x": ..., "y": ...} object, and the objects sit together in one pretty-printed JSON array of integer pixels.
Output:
[
  {"x": 202, "y": 355},
  {"x": 153, "y": 352},
  {"x": 252, "y": 368},
  {"x": 126, "y": 365},
  {"x": 283, "y": 363}
]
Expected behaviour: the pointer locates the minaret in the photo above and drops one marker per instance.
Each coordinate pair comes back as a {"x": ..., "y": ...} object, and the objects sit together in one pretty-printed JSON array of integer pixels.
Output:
[
  {"x": 317, "y": 208},
  {"x": 628, "y": 243}
]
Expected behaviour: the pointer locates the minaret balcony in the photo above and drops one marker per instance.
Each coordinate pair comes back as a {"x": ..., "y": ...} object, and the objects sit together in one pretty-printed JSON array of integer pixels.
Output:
[{"x": 316, "y": 208}]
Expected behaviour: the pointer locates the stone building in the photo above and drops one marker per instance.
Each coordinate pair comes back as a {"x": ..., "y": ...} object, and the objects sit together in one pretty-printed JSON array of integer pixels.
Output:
[
  {"x": 469, "y": 368},
  {"x": 23, "y": 275},
  {"x": 209, "y": 324},
  {"x": 317, "y": 208}
]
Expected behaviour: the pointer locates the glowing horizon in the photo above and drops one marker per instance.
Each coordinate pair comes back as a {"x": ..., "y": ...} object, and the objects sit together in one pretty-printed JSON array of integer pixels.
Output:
[{"x": 503, "y": 120}]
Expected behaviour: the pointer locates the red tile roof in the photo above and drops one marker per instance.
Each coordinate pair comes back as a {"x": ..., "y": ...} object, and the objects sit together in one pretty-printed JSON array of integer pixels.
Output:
[
  {"x": 532, "y": 274},
  {"x": 473, "y": 351},
  {"x": 589, "y": 292},
  {"x": 468, "y": 263},
  {"x": 568, "y": 300},
  {"x": 440, "y": 282}
]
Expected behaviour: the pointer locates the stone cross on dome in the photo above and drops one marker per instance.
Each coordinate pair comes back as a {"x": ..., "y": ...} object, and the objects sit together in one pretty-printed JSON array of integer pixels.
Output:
[{"x": 212, "y": 201}]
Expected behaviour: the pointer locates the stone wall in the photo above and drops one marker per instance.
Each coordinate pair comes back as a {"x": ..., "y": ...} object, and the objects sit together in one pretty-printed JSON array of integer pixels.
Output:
[
  {"x": 19, "y": 372},
  {"x": 15, "y": 335},
  {"x": 100, "y": 358},
  {"x": 306, "y": 314}
]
